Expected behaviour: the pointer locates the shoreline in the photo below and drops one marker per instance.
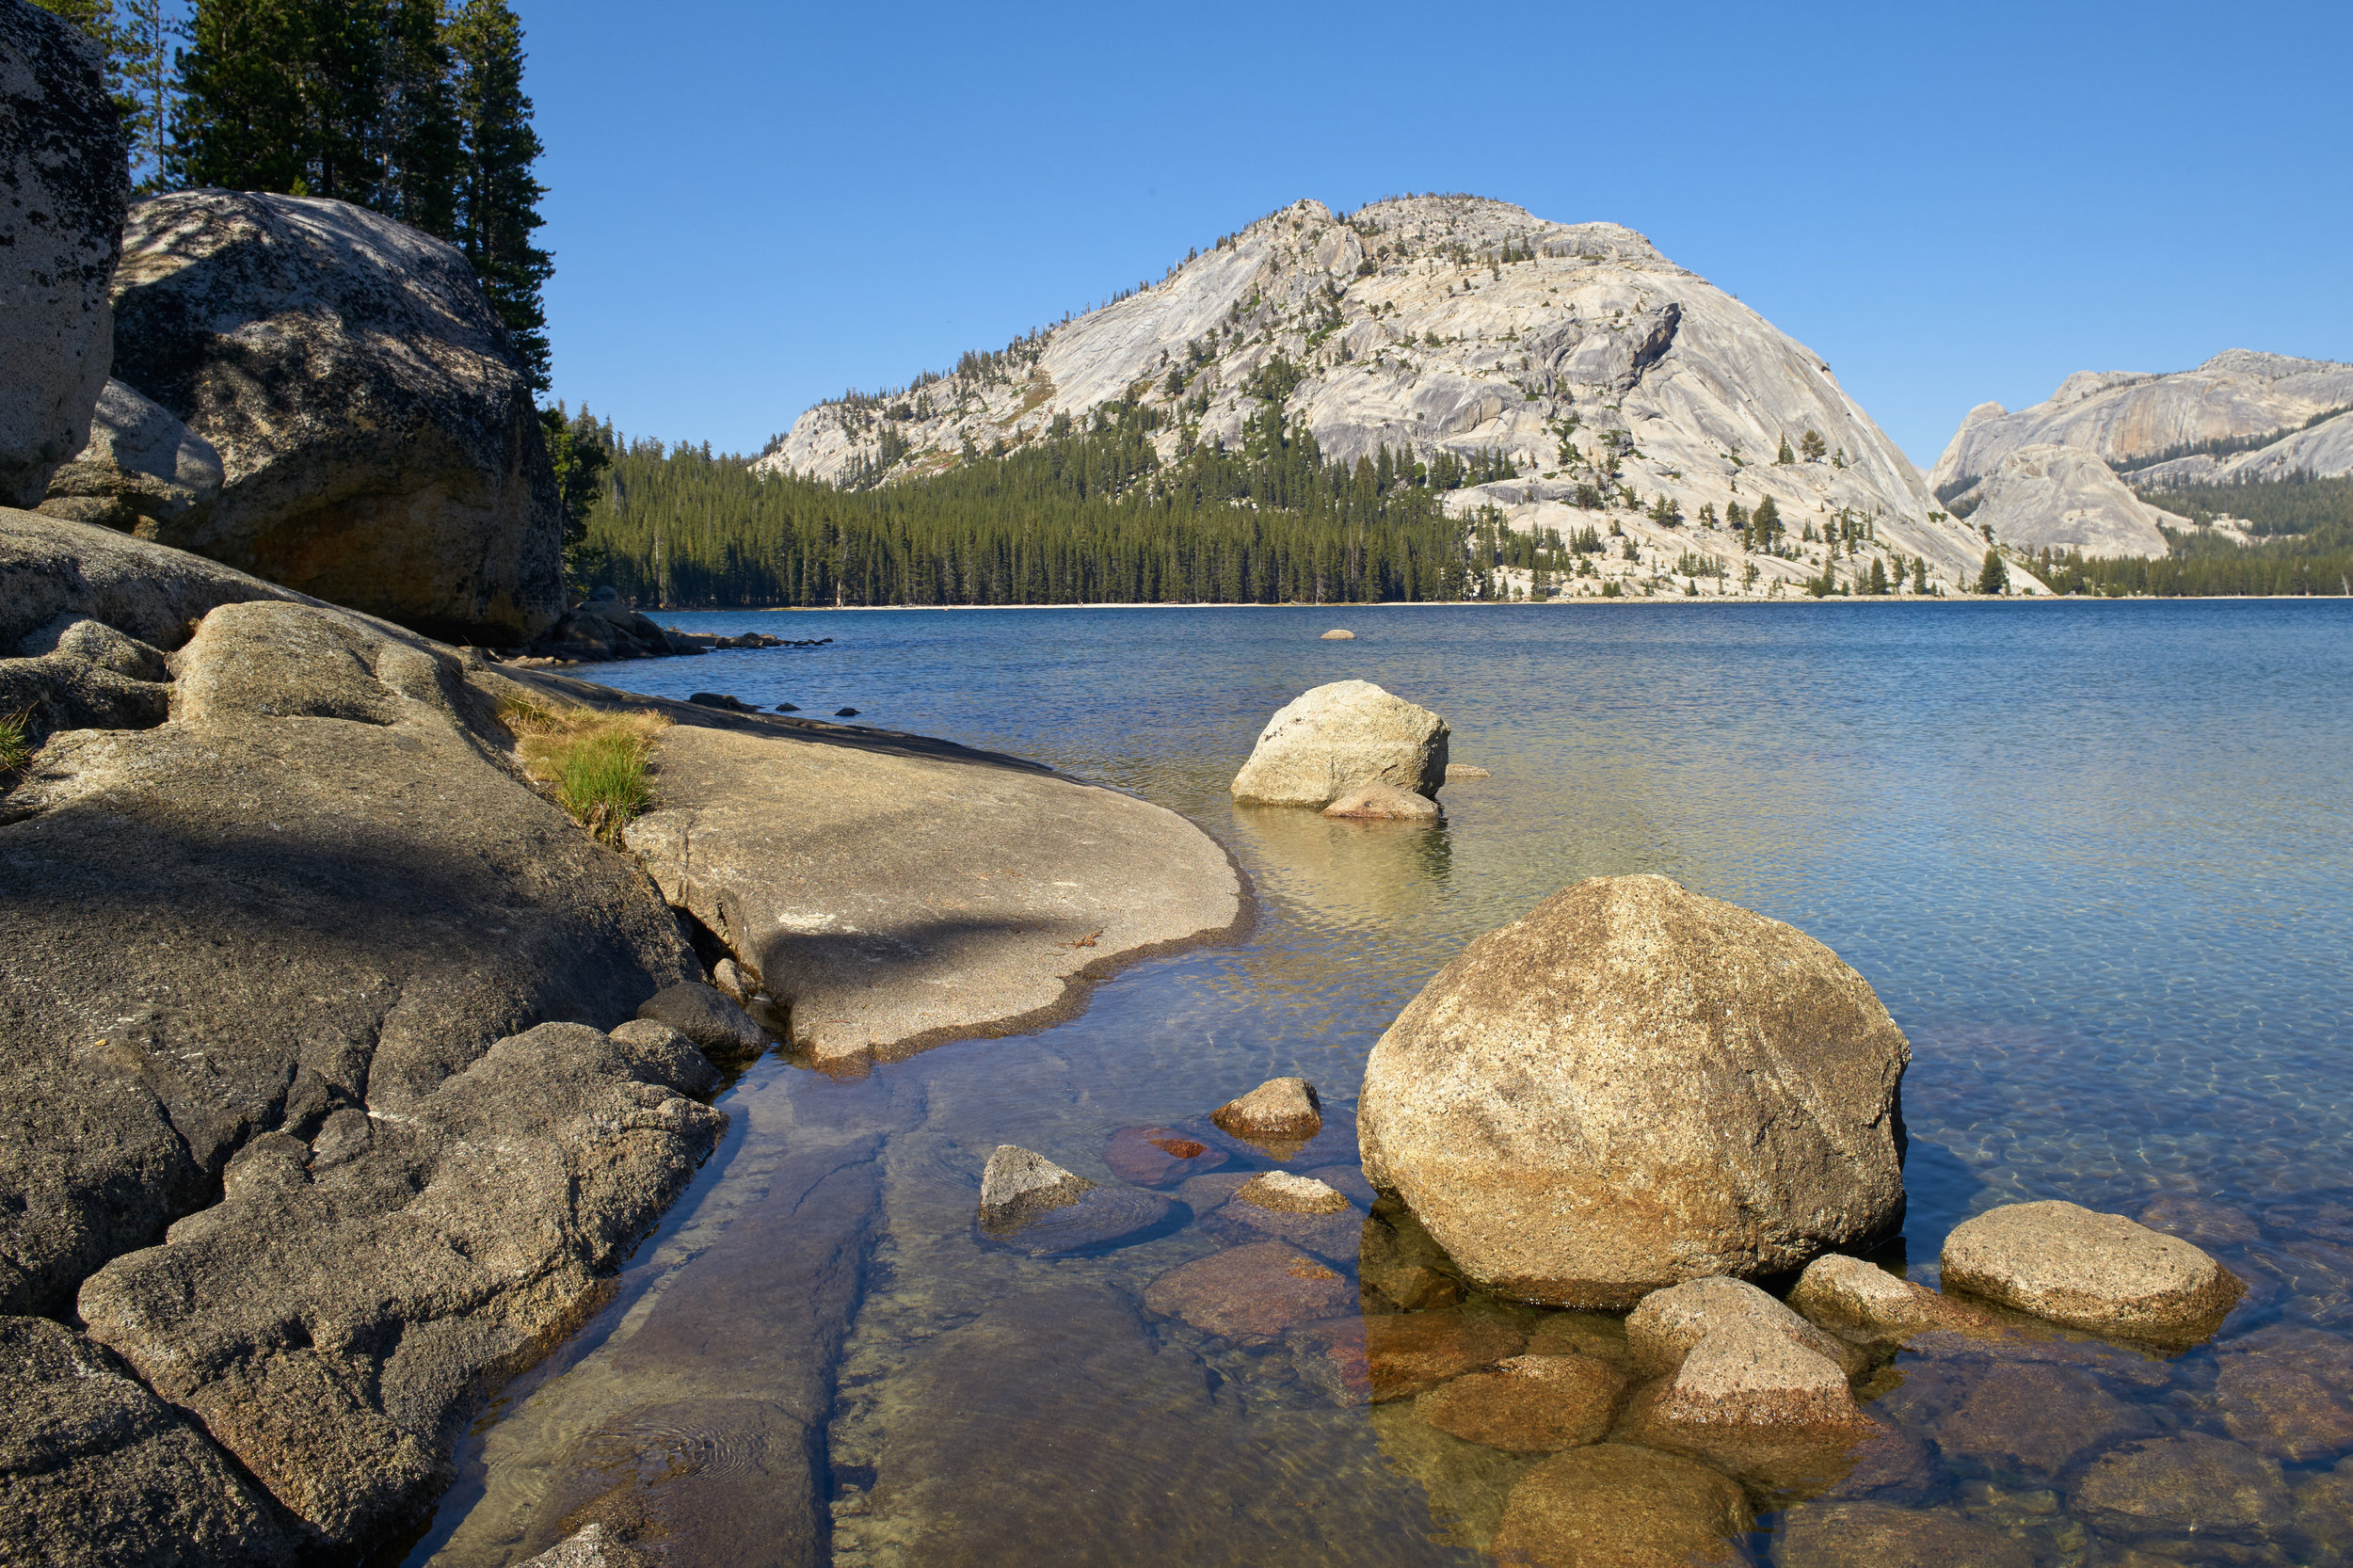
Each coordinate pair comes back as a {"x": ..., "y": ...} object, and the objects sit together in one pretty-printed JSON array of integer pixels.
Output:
[{"x": 1621, "y": 603}]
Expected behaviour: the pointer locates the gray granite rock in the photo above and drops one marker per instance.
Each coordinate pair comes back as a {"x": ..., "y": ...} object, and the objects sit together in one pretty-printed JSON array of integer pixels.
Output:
[
  {"x": 142, "y": 471},
  {"x": 378, "y": 441},
  {"x": 63, "y": 183},
  {"x": 2091, "y": 1271},
  {"x": 701, "y": 1014},
  {"x": 2062, "y": 498},
  {"x": 1733, "y": 1356},
  {"x": 1339, "y": 738}
]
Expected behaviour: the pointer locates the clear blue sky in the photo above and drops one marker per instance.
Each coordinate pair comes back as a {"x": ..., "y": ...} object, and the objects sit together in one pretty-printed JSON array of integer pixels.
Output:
[{"x": 753, "y": 206}]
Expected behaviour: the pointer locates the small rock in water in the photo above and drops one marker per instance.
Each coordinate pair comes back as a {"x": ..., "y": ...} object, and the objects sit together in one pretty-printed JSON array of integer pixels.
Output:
[
  {"x": 1384, "y": 803},
  {"x": 1335, "y": 737},
  {"x": 1854, "y": 1534},
  {"x": 1617, "y": 1504},
  {"x": 1465, "y": 770},
  {"x": 1019, "y": 1184},
  {"x": 1528, "y": 1403},
  {"x": 722, "y": 702},
  {"x": 1400, "y": 1260},
  {"x": 703, "y": 1015},
  {"x": 2091, "y": 1271},
  {"x": 1738, "y": 1357},
  {"x": 1158, "y": 1156},
  {"x": 1250, "y": 1293},
  {"x": 593, "y": 1547},
  {"x": 1340, "y": 634},
  {"x": 1842, "y": 1292},
  {"x": 1281, "y": 1207},
  {"x": 788, "y": 707},
  {"x": 1286, "y": 1108},
  {"x": 1032, "y": 1205},
  {"x": 845, "y": 712},
  {"x": 2191, "y": 1486},
  {"x": 731, "y": 982},
  {"x": 1286, "y": 1193}
]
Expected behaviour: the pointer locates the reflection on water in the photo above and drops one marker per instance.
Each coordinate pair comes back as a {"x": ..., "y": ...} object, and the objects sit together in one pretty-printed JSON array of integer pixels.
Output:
[{"x": 2094, "y": 859}]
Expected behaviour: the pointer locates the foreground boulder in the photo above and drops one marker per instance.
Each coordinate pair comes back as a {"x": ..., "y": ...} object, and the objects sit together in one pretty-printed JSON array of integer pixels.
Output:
[
  {"x": 1335, "y": 737},
  {"x": 142, "y": 471},
  {"x": 63, "y": 183},
  {"x": 375, "y": 424},
  {"x": 2091, "y": 1271},
  {"x": 1633, "y": 1085}
]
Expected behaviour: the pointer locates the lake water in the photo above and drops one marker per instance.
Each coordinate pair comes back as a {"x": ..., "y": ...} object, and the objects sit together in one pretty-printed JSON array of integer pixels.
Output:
[{"x": 2097, "y": 860}]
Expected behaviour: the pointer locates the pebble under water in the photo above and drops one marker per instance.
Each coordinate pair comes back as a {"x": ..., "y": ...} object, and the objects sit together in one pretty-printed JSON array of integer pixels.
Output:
[{"x": 2097, "y": 859}]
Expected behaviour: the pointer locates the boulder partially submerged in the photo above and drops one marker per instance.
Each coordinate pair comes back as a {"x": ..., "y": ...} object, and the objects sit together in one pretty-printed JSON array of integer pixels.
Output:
[
  {"x": 1847, "y": 1293},
  {"x": 1281, "y": 1109},
  {"x": 2091, "y": 1271},
  {"x": 1633, "y": 1085},
  {"x": 1733, "y": 1357},
  {"x": 376, "y": 428},
  {"x": 1338, "y": 737},
  {"x": 1032, "y": 1204}
]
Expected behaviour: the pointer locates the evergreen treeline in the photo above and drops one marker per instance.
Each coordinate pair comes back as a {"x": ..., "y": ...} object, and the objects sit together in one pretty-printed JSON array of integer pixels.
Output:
[
  {"x": 414, "y": 108},
  {"x": 1088, "y": 517}
]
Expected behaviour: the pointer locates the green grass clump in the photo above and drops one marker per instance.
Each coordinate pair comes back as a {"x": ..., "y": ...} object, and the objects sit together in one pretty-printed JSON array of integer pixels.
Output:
[
  {"x": 596, "y": 766},
  {"x": 16, "y": 742}
]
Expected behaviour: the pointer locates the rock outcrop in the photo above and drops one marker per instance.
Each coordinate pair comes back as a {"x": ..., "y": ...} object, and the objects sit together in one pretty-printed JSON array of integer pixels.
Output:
[
  {"x": 2062, "y": 498},
  {"x": 63, "y": 183},
  {"x": 2260, "y": 415},
  {"x": 376, "y": 428},
  {"x": 2091, "y": 1271},
  {"x": 141, "y": 472},
  {"x": 1332, "y": 739},
  {"x": 1631, "y": 1086},
  {"x": 1452, "y": 325}
]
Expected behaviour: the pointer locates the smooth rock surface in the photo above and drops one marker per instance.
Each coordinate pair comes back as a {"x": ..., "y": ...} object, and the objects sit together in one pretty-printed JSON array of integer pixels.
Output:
[
  {"x": 1616, "y": 1506},
  {"x": 2187, "y": 1486},
  {"x": 1285, "y": 1193},
  {"x": 378, "y": 441},
  {"x": 97, "y": 1472},
  {"x": 63, "y": 183},
  {"x": 2099, "y": 1272},
  {"x": 1841, "y": 1292},
  {"x": 894, "y": 892},
  {"x": 2062, "y": 498},
  {"x": 316, "y": 887},
  {"x": 1633, "y": 1085},
  {"x": 1874, "y": 1535},
  {"x": 1281, "y": 1109},
  {"x": 2287, "y": 1391},
  {"x": 1251, "y": 1293},
  {"x": 1528, "y": 1403},
  {"x": 141, "y": 472},
  {"x": 1383, "y": 803},
  {"x": 335, "y": 1328},
  {"x": 1331, "y": 740},
  {"x": 704, "y": 1015},
  {"x": 1733, "y": 1356},
  {"x": 1409, "y": 1352}
]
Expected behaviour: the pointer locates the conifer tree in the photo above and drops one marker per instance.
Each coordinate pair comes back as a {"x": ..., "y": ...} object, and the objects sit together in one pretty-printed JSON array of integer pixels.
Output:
[
  {"x": 1813, "y": 445},
  {"x": 241, "y": 109},
  {"x": 1993, "y": 577},
  {"x": 1787, "y": 455},
  {"x": 497, "y": 200}
]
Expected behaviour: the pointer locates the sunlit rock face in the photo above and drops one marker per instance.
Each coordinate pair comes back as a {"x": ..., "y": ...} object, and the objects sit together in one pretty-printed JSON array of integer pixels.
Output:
[{"x": 1437, "y": 325}]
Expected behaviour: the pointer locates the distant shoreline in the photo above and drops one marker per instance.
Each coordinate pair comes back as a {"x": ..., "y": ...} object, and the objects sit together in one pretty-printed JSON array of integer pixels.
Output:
[{"x": 1621, "y": 603}]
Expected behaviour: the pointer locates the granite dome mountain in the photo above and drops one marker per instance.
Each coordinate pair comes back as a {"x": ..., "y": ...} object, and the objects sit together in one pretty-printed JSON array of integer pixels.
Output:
[{"x": 1443, "y": 325}]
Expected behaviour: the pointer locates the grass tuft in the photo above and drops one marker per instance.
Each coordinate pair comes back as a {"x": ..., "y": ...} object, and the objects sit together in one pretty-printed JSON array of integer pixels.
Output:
[
  {"x": 16, "y": 742},
  {"x": 596, "y": 766}
]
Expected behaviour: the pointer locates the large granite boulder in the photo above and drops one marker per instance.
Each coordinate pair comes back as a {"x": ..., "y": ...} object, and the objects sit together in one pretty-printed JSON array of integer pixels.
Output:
[
  {"x": 375, "y": 424},
  {"x": 63, "y": 183},
  {"x": 142, "y": 471},
  {"x": 1331, "y": 740},
  {"x": 318, "y": 885},
  {"x": 1633, "y": 1085},
  {"x": 2091, "y": 1271}
]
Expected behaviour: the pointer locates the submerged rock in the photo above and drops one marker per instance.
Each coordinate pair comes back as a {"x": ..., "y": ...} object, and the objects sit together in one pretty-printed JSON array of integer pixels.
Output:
[
  {"x": 2187, "y": 1486},
  {"x": 1378, "y": 802},
  {"x": 1286, "y": 1207},
  {"x": 2284, "y": 1391},
  {"x": 1019, "y": 1184},
  {"x": 1465, "y": 770},
  {"x": 1284, "y": 1194},
  {"x": 1633, "y": 1085},
  {"x": 1398, "y": 1258},
  {"x": 1875, "y": 1535},
  {"x": 1409, "y": 1352},
  {"x": 1032, "y": 1205},
  {"x": 1838, "y": 1292},
  {"x": 593, "y": 1547},
  {"x": 1617, "y": 1506},
  {"x": 1158, "y": 1156},
  {"x": 1253, "y": 1293},
  {"x": 62, "y": 166},
  {"x": 1337, "y": 737},
  {"x": 1285, "y": 1110},
  {"x": 1528, "y": 1403},
  {"x": 380, "y": 444},
  {"x": 2091, "y": 1271}
]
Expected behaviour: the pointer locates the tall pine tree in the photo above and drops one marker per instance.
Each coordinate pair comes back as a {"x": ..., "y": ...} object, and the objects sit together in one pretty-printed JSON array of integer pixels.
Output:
[{"x": 497, "y": 197}]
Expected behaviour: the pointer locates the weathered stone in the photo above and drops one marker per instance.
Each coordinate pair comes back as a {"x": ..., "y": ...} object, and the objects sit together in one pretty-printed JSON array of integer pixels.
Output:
[
  {"x": 1528, "y": 1403},
  {"x": 593, "y": 1547},
  {"x": 2285, "y": 1405},
  {"x": 1383, "y": 803},
  {"x": 376, "y": 432},
  {"x": 2063, "y": 499},
  {"x": 142, "y": 470},
  {"x": 1399, "y": 1258},
  {"x": 313, "y": 888},
  {"x": 1616, "y": 1506},
  {"x": 2324, "y": 1514},
  {"x": 65, "y": 181},
  {"x": 1340, "y": 634},
  {"x": 1465, "y": 770},
  {"x": 1874, "y": 1535},
  {"x": 1252, "y": 1293},
  {"x": 97, "y": 1472},
  {"x": 1330, "y": 1358},
  {"x": 1281, "y": 1109},
  {"x": 1158, "y": 1156},
  {"x": 1838, "y": 1292},
  {"x": 1779, "y": 1464},
  {"x": 1032, "y": 1205},
  {"x": 2099, "y": 1272},
  {"x": 669, "y": 1054},
  {"x": 895, "y": 892},
  {"x": 708, "y": 1019},
  {"x": 729, "y": 980},
  {"x": 1633, "y": 1085},
  {"x": 1336, "y": 1236},
  {"x": 1284, "y": 1194},
  {"x": 1598, "y": 1334},
  {"x": 1021, "y": 1184},
  {"x": 1410, "y": 1351},
  {"x": 2189, "y": 1485},
  {"x": 1332, "y": 739},
  {"x": 334, "y": 1329},
  {"x": 1733, "y": 1356}
]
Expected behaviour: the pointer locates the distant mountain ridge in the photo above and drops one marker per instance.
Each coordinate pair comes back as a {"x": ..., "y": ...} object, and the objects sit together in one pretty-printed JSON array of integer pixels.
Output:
[{"x": 1444, "y": 325}]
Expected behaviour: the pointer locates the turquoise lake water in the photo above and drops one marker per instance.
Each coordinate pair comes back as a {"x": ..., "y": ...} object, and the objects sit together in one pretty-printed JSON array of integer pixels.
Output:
[{"x": 2096, "y": 859}]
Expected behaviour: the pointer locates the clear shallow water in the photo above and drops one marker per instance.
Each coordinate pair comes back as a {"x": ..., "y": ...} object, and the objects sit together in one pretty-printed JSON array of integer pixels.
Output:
[{"x": 2094, "y": 859}]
